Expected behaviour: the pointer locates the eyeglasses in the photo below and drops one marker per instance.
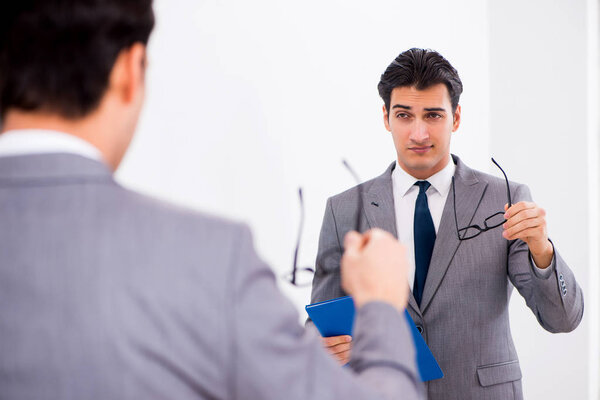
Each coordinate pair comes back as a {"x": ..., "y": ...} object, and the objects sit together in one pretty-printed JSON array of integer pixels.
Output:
[
  {"x": 302, "y": 276},
  {"x": 491, "y": 222}
]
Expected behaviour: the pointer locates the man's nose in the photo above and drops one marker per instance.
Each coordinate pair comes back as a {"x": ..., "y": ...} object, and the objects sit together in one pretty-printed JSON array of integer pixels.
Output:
[{"x": 419, "y": 132}]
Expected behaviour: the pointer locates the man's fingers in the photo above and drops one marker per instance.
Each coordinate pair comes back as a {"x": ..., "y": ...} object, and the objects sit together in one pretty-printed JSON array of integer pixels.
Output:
[
  {"x": 352, "y": 239},
  {"x": 523, "y": 229},
  {"x": 525, "y": 221},
  {"x": 343, "y": 358},
  {"x": 334, "y": 340},
  {"x": 525, "y": 234},
  {"x": 376, "y": 236},
  {"x": 340, "y": 348},
  {"x": 518, "y": 207},
  {"x": 375, "y": 233},
  {"x": 529, "y": 213}
]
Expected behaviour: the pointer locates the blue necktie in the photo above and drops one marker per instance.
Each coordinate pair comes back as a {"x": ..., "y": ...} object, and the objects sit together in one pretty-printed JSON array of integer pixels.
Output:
[{"x": 424, "y": 240}]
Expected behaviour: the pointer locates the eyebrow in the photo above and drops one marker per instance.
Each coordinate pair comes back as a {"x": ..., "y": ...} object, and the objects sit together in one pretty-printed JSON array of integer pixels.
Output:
[{"x": 426, "y": 109}]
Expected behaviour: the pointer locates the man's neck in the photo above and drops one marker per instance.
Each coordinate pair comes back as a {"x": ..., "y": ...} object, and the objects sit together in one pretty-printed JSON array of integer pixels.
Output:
[{"x": 424, "y": 175}]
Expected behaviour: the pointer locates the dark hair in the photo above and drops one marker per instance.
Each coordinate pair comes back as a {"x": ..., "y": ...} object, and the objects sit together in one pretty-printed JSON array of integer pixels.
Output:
[
  {"x": 421, "y": 68},
  {"x": 57, "y": 55}
]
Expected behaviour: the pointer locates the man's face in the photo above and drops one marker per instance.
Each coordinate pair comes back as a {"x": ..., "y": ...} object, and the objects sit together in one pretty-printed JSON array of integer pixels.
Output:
[{"x": 421, "y": 123}]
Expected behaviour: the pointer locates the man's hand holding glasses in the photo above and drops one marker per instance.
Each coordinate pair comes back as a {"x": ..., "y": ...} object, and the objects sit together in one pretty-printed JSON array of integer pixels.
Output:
[
  {"x": 523, "y": 220},
  {"x": 527, "y": 221}
]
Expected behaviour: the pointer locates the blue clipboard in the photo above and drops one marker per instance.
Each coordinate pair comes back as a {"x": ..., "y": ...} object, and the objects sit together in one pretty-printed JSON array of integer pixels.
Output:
[{"x": 336, "y": 317}]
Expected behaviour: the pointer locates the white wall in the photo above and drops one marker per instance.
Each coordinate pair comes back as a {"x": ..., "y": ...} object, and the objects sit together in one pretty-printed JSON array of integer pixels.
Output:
[
  {"x": 539, "y": 125},
  {"x": 248, "y": 100},
  {"x": 593, "y": 84}
]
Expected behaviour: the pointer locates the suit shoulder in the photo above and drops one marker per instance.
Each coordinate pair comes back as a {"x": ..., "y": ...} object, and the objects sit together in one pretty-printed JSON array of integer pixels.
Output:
[
  {"x": 496, "y": 181},
  {"x": 352, "y": 193}
]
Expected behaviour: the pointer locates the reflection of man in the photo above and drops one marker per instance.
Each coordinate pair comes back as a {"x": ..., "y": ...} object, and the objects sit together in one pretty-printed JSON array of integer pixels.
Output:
[
  {"x": 460, "y": 288},
  {"x": 108, "y": 294}
]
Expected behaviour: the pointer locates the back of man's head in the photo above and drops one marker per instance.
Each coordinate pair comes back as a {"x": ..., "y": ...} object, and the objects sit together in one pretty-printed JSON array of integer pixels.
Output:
[
  {"x": 56, "y": 56},
  {"x": 421, "y": 68}
]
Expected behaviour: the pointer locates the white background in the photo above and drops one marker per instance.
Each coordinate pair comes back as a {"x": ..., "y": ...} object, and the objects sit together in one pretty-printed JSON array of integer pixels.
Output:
[{"x": 246, "y": 101}]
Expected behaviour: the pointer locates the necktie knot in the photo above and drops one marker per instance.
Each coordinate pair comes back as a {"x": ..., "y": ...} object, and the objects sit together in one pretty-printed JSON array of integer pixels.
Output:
[{"x": 423, "y": 186}]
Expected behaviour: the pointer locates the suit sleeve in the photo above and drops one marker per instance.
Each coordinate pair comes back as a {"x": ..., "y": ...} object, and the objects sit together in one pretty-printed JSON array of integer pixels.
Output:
[
  {"x": 556, "y": 300},
  {"x": 274, "y": 357}
]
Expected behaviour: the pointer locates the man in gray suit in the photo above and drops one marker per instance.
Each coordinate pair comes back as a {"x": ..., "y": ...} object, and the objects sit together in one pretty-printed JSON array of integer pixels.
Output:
[
  {"x": 461, "y": 275},
  {"x": 109, "y": 294}
]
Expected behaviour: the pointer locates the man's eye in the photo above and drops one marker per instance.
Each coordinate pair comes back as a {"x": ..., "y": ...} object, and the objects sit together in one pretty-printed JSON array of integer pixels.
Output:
[
  {"x": 434, "y": 116},
  {"x": 402, "y": 115}
]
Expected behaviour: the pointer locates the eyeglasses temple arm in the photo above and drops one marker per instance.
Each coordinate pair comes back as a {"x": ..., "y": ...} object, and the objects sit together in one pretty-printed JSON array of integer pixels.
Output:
[
  {"x": 454, "y": 205},
  {"x": 506, "y": 179},
  {"x": 300, "y": 226},
  {"x": 349, "y": 168}
]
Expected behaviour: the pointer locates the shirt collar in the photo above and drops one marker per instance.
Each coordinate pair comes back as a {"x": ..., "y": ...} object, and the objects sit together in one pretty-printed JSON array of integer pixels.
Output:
[
  {"x": 39, "y": 141},
  {"x": 440, "y": 181}
]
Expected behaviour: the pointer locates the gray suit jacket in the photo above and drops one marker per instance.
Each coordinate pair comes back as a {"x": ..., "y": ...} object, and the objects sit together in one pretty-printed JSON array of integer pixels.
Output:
[
  {"x": 108, "y": 294},
  {"x": 464, "y": 310}
]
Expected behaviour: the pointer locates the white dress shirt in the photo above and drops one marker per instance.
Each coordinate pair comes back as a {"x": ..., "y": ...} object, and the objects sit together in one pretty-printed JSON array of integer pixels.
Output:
[
  {"x": 38, "y": 141},
  {"x": 405, "y": 196}
]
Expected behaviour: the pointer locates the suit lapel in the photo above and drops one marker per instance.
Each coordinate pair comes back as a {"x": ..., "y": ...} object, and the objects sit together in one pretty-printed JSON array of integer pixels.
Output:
[
  {"x": 378, "y": 203},
  {"x": 469, "y": 192}
]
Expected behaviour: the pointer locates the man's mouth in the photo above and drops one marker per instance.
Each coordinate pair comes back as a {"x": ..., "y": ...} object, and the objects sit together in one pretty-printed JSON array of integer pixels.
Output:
[{"x": 421, "y": 149}]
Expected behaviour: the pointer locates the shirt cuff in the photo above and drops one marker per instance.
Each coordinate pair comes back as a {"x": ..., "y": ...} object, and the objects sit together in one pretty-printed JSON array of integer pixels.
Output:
[{"x": 544, "y": 273}]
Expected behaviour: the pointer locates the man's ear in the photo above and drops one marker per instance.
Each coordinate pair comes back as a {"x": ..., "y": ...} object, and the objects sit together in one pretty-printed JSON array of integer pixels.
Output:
[
  {"x": 127, "y": 75},
  {"x": 386, "y": 118},
  {"x": 456, "y": 122}
]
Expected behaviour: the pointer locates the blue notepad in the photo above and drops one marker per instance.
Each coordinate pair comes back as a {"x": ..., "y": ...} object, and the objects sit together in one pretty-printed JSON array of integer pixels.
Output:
[{"x": 336, "y": 317}]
